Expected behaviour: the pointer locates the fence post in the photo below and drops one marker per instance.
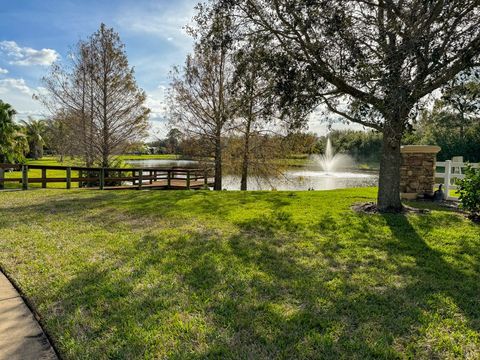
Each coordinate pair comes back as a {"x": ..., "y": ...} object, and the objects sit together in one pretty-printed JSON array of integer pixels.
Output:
[
  {"x": 44, "y": 178},
  {"x": 80, "y": 174},
  {"x": 102, "y": 178},
  {"x": 169, "y": 182},
  {"x": 25, "y": 177},
  {"x": 188, "y": 179},
  {"x": 140, "y": 178},
  {"x": 205, "y": 179},
  {"x": 2, "y": 175},
  {"x": 69, "y": 177},
  {"x": 448, "y": 178},
  {"x": 151, "y": 175}
]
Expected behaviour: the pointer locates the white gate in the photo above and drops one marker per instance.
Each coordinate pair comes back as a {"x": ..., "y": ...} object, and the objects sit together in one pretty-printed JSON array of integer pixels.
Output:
[{"x": 453, "y": 170}]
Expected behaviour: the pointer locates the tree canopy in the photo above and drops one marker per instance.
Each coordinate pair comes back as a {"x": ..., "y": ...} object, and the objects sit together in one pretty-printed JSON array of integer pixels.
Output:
[{"x": 13, "y": 143}]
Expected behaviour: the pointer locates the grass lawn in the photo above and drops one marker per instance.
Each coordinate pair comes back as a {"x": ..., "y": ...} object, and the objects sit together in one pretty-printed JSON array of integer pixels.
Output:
[{"x": 230, "y": 275}]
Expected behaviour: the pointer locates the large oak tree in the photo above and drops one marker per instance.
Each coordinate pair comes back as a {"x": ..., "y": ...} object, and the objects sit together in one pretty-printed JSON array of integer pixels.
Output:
[{"x": 371, "y": 62}]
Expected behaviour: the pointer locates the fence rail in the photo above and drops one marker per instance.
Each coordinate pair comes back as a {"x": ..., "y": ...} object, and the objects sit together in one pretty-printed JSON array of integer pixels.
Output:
[
  {"x": 452, "y": 171},
  {"x": 110, "y": 178}
]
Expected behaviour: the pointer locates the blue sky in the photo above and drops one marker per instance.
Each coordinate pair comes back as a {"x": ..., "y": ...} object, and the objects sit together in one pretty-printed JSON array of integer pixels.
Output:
[{"x": 34, "y": 33}]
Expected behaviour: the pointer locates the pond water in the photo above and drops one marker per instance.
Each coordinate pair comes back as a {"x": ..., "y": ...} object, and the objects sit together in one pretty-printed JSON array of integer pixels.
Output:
[{"x": 296, "y": 178}]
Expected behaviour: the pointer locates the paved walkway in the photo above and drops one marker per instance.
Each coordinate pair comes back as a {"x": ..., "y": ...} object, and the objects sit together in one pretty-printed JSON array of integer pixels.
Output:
[{"x": 20, "y": 335}]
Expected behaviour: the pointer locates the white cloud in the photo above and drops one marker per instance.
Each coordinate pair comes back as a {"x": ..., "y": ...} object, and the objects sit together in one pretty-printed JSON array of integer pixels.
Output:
[
  {"x": 26, "y": 56},
  {"x": 3, "y": 71},
  {"x": 18, "y": 93},
  {"x": 156, "y": 103},
  {"x": 161, "y": 20},
  {"x": 16, "y": 85}
]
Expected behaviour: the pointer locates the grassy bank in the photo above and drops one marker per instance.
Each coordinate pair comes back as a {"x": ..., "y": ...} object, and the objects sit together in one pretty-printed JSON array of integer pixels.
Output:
[{"x": 190, "y": 275}]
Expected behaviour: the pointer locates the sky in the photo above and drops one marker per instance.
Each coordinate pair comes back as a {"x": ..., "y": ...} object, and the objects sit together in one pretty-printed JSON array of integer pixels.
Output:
[{"x": 36, "y": 33}]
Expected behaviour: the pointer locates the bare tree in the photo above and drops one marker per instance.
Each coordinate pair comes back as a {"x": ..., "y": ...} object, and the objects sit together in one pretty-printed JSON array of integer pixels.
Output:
[
  {"x": 69, "y": 91},
  {"x": 200, "y": 96},
  {"x": 97, "y": 89},
  {"x": 368, "y": 61}
]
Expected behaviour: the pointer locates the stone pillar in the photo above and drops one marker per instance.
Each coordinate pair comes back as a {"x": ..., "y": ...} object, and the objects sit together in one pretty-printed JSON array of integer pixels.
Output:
[{"x": 417, "y": 174}]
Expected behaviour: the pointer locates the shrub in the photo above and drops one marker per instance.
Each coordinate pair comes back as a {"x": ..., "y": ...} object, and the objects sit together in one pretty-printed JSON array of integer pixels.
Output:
[{"x": 469, "y": 190}]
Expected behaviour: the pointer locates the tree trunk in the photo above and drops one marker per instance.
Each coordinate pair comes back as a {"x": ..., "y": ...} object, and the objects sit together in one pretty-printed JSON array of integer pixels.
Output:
[
  {"x": 391, "y": 159},
  {"x": 105, "y": 160},
  {"x": 246, "y": 154},
  {"x": 243, "y": 181},
  {"x": 218, "y": 163},
  {"x": 36, "y": 151}
]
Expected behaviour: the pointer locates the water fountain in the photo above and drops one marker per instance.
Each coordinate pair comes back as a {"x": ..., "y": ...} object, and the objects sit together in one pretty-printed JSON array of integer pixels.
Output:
[
  {"x": 331, "y": 170},
  {"x": 331, "y": 162}
]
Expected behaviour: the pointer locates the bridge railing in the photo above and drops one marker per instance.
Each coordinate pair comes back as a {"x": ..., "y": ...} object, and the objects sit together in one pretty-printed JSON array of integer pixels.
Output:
[{"x": 104, "y": 177}]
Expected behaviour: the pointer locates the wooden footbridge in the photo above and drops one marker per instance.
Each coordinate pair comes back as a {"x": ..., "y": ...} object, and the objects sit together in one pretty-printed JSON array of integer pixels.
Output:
[{"x": 174, "y": 178}]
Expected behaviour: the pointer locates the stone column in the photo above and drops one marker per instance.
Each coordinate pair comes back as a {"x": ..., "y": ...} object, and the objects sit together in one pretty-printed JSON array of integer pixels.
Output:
[{"x": 417, "y": 174}]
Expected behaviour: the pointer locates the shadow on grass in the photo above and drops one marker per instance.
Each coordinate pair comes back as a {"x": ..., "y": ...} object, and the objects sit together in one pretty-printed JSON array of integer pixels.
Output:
[
  {"x": 343, "y": 286},
  {"x": 101, "y": 208}
]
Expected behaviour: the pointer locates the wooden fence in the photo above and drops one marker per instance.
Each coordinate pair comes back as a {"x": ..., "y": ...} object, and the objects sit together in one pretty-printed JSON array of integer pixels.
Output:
[
  {"x": 452, "y": 171},
  {"x": 110, "y": 178}
]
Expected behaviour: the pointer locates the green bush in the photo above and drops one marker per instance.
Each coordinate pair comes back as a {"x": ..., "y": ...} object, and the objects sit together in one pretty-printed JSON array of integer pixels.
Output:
[{"x": 469, "y": 190}]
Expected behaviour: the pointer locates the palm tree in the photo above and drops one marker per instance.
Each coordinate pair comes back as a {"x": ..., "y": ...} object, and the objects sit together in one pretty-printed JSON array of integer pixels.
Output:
[
  {"x": 35, "y": 129},
  {"x": 13, "y": 144}
]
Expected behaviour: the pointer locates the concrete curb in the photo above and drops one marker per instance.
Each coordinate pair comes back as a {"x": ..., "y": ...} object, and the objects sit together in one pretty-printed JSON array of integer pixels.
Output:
[{"x": 21, "y": 336}]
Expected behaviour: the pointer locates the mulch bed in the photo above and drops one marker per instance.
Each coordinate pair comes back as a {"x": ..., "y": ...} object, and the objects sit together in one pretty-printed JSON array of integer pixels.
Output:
[{"x": 371, "y": 208}]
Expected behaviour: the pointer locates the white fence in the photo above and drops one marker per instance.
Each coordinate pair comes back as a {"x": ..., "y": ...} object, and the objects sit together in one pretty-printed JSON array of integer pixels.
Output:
[{"x": 453, "y": 171}]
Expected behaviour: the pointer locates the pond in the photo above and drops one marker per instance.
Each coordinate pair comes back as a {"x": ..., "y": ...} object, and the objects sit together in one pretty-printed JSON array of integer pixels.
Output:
[{"x": 310, "y": 176}]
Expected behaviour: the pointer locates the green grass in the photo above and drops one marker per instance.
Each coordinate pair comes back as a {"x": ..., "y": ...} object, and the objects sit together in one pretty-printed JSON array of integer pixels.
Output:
[{"x": 230, "y": 275}]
